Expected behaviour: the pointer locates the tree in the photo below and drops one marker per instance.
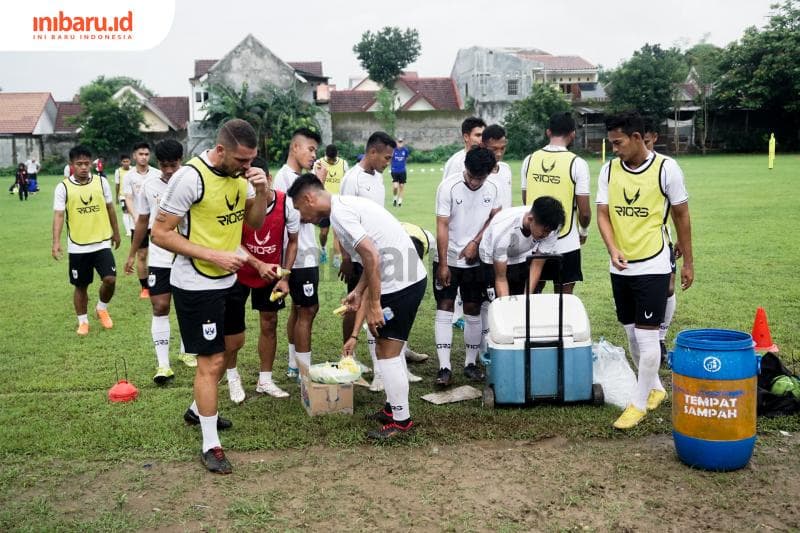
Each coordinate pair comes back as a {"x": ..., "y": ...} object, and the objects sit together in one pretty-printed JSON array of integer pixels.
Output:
[
  {"x": 647, "y": 82},
  {"x": 272, "y": 112},
  {"x": 115, "y": 83},
  {"x": 761, "y": 70},
  {"x": 703, "y": 59},
  {"x": 107, "y": 125},
  {"x": 384, "y": 54},
  {"x": 526, "y": 120}
]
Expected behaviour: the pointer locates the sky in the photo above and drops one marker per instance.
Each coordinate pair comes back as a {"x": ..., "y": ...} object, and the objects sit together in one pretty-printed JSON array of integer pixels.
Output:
[{"x": 604, "y": 33}]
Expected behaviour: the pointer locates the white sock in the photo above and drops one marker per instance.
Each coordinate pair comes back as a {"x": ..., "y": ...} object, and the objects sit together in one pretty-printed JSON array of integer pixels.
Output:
[
  {"x": 472, "y": 338},
  {"x": 400, "y": 201},
  {"x": 303, "y": 357},
  {"x": 193, "y": 408},
  {"x": 395, "y": 383},
  {"x": 292, "y": 356},
  {"x": 649, "y": 360},
  {"x": 183, "y": 348},
  {"x": 458, "y": 308},
  {"x": 101, "y": 306},
  {"x": 83, "y": 319},
  {"x": 443, "y": 334},
  {"x": 371, "y": 343},
  {"x": 264, "y": 377},
  {"x": 208, "y": 425},
  {"x": 159, "y": 329},
  {"x": 669, "y": 312},
  {"x": 233, "y": 373},
  {"x": 633, "y": 346},
  {"x": 484, "y": 327},
  {"x": 405, "y": 349}
]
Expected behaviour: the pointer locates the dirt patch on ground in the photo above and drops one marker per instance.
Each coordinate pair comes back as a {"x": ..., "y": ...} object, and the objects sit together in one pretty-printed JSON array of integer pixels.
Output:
[{"x": 551, "y": 484}]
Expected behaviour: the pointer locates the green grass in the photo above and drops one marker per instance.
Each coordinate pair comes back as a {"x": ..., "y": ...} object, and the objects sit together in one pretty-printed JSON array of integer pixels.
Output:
[{"x": 53, "y": 385}]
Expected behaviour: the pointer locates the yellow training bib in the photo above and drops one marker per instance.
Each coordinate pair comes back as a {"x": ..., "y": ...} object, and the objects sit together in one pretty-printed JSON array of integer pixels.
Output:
[
  {"x": 550, "y": 174},
  {"x": 638, "y": 209},
  {"x": 86, "y": 212},
  {"x": 215, "y": 220},
  {"x": 335, "y": 174}
]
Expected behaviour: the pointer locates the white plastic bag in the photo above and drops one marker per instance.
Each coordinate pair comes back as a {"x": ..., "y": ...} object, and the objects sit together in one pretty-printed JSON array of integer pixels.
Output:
[
  {"x": 344, "y": 371},
  {"x": 612, "y": 371}
]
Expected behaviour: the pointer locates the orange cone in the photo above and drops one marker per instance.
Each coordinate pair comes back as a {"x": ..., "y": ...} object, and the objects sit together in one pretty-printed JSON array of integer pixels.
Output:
[{"x": 761, "y": 335}]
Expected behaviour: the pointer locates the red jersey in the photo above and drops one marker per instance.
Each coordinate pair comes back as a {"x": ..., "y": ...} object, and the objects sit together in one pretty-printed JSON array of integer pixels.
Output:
[{"x": 266, "y": 244}]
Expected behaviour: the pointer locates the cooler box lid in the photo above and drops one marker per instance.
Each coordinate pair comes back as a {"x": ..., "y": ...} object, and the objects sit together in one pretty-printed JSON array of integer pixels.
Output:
[{"x": 507, "y": 318}]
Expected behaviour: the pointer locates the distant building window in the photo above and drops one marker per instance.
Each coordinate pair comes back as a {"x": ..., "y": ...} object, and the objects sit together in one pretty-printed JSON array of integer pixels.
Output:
[
  {"x": 201, "y": 96},
  {"x": 566, "y": 88},
  {"x": 483, "y": 81},
  {"x": 513, "y": 87}
]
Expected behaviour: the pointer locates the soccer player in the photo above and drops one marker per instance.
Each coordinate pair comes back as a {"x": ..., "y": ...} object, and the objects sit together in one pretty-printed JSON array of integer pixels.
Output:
[
  {"x": 119, "y": 180},
  {"x": 131, "y": 190},
  {"x": 259, "y": 277},
  {"x": 636, "y": 191},
  {"x": 471, "y": 131},
  {"x": 650, "y": 139},
  {"x": 85, "y": 202},
  {"x": 557, "y": 172},
  {"x": 209, "y": 192},
  {"x": 169, "y": 153},
  {"x": 388, "y": 292},
  {"x": 494, "y": 138},
  {"x": 304, "y": 279},
  {"x": 335, "y": 169},
  {"x": 512, "y": 235},
  {"x": 399, "y": 175},
  {"x": 465, "y": 204}
]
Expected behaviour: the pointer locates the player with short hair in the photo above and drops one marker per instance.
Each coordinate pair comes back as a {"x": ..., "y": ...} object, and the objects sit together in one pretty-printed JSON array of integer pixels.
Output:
[
  {"x": 84, "y": 200},
  {"x": 335, "y": 168},
  {"x": 131, "y": 190},
  {"x": 259, "y": 277},
  {"x": 399, "y": 174},
  {"x": 208, "y": 201},
  {"x": 465, "y": 204},
  {"x": 494, "y": 138},
  {"x": 471, "y": 131},
  {"x": 636, "y": 192},
  {"x": 119, "y": 181},
  {"x": 169, "y": 154},
  {"x": 557, "y": 172},
  {"x": 304, "y": 279},
  {"x": 388, "y": 292}
]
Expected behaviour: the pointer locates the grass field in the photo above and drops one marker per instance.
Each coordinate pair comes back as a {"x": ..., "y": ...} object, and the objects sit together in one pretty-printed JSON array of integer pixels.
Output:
[{"x": 58, "y": 425}]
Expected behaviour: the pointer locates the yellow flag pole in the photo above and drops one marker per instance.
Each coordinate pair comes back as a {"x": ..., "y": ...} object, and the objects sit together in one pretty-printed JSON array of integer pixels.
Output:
[
  {"x": 771, "y": 158},
  {"x": 603, "y": 153}
]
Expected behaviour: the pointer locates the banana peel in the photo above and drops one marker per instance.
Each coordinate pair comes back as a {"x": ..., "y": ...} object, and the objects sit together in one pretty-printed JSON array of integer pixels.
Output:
[
  {"x": 340, "y": 311},
  {"x": 276, "y": 295}
]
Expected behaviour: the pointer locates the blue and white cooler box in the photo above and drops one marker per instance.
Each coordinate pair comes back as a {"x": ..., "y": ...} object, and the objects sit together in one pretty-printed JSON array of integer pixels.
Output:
[{"x": 505, "y": 364}]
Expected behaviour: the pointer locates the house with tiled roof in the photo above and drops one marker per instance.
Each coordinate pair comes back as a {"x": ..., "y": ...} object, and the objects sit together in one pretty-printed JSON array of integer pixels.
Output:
[
  {"x": 491, "y": 79},
  {"x": 25, "y": 120}
]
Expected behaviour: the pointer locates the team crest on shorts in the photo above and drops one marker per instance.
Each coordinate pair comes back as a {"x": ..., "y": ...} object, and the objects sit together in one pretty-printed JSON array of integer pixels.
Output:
[
  {"x": 490, "y": 293},
  {"x": 308, "y": 289},
  {"x": 151, "y": 280},
  {"x": 210, "y": 331},
  {"x": 74, "y": 274}
]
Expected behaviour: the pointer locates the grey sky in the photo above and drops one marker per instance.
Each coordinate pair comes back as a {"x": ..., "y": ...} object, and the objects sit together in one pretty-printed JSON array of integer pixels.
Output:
[{"x": 316, "y": 30}]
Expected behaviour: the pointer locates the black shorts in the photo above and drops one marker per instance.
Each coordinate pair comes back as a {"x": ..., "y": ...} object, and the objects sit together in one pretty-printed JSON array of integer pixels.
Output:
[
  {"x": 235, "y": 305},
  {"x": 145, "y": 240},
  {"x": 571, "y": 264},
  {"x": 640, "y": 300},
  {"x": 158, "y": 280},
  {"x": 516, "y": 275},
  {"x": 358, "y": 269},
  {"x": 324, "y": 222},
  {"x": 201, "y": 318},
  {"x": 469, "y": 281},
  {"x": 403, "y": 305},
  {"x": 399, "y": 177},
  {"x": 82, "y": 267},
  {"x": 303, "y": 285}
]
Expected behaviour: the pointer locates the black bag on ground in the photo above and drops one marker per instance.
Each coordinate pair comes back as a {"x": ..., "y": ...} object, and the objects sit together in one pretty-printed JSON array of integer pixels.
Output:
[{"x": 770, "y": 404}]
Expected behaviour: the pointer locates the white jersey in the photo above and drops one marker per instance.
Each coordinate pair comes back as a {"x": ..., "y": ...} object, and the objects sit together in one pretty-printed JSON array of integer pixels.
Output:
[
  {"x": 153, "y": 190},
  {"x": 580, "y": 177},
  {"x": 454, "y": 165},
  {"x": 184, "y": 189},
  {"x": 672, "y": 184},
  {"x": 132, "y": 184},
  {"x": 60, "y": 204},
  {"x": 359, "y": 182},
  {"x": 502, "y": 178},
  {"x": 467, "y": 210},
  {"x": 354, "y": 219},
  {"x": 504, "y": 240},
  {"x": 307, "y": 249}
]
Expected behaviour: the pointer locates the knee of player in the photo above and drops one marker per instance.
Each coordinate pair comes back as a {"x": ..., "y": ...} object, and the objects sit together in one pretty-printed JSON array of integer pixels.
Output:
[
  {"x": 308, "y": 313},
  {"x": 472, "y": 308},
  {"x": 161, "y": 309},
  {"x": 269, "y": 323},
  {"x": 445, "y": 305},
  {"x": 110, "y": 281}
]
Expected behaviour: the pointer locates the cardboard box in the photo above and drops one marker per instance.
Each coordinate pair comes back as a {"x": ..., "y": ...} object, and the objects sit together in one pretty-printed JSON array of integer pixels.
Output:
[{"x": 322, "y": 399}]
